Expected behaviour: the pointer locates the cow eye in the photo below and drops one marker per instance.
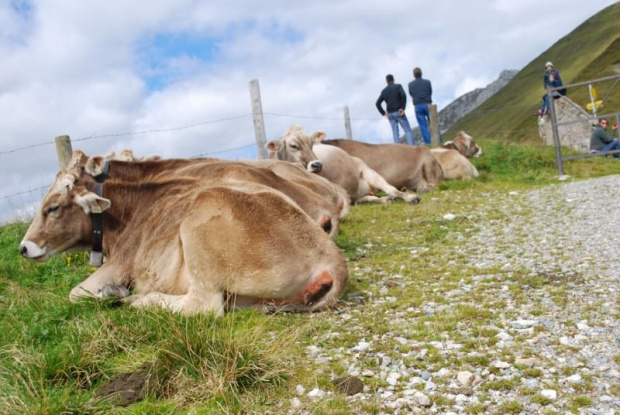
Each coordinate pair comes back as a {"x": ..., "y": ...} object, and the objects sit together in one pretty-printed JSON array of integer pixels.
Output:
[
  {"x": 51, "y": 209},
  {"x": 294, "y": 146}
]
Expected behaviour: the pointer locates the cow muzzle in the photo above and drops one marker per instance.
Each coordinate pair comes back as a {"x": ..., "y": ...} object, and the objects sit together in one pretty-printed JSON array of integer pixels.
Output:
[
  {"x": 31, "y": 250},
  {"x": 315, "y": 166}
]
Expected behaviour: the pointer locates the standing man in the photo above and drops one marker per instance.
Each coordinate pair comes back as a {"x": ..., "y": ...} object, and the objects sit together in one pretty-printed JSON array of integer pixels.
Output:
[
  {"x": 601, "y": 142},
  {"x": 395, "y": 102},
  {"x": 421, "y": 93}
]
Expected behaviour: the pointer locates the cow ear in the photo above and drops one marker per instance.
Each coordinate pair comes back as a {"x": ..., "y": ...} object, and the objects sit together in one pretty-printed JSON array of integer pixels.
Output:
[
  {"x": 274, "y": 145},
  {"x": 94, "y": 166},
  {"x": 76, "y": 159},
  {"x": 90, "y": 202},
  {"x": 126, "y": 155},
  {"x": 317, "y": 137}
]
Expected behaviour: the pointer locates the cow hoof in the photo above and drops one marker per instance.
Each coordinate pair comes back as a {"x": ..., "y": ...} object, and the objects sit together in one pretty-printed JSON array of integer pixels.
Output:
[
  {"x": 114, "y": 291},
  {"x": 132, "y": 298},
  {"x": 415, "y": 200}
]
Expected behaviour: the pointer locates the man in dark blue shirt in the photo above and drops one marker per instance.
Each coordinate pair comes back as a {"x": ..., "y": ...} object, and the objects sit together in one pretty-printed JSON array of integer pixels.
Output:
[
  {"x": 421, "y": 93},
  {"x": 395, "y": 103}
]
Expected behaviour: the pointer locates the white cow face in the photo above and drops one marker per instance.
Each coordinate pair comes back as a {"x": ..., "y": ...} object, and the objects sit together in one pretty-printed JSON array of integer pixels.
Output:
[{"x": 296, "y": 146}]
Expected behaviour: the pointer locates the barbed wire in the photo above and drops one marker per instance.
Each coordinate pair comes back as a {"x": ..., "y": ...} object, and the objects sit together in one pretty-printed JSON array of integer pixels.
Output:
[
  {"x": 223, "y": 151},
  {"x": 25, "y": 192},
  {"x": 313, "y": 117},
  {"x": 161, "y": 130}
]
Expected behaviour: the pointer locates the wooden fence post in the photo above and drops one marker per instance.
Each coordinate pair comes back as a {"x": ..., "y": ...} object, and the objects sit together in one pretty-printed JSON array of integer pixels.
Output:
[
  {"x": 63, "y": 149},
  {"x": 347, "y": 123},
  {"x": 434, "y": 116},
  {"x": 259, "y": 123}
]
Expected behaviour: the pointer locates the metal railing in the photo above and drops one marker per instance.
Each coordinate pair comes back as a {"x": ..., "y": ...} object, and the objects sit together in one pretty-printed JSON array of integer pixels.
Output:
[{"x": 594, "y": 117}]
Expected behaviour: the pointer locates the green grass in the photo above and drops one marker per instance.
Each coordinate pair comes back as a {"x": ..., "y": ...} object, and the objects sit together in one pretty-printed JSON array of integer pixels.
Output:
[
  {"x": 55, "y": 355},
  {"x": 590, "y": 51}
]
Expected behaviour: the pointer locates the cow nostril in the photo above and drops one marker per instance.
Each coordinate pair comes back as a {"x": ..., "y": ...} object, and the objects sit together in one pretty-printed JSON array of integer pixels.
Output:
[
  {"x": 23, "y": 250},
  {"x": 316, "y": 166}
]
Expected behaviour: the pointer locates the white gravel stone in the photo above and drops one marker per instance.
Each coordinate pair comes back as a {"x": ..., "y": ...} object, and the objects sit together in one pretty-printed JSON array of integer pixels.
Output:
[
  {"x": 316, "y": 393},
  {"x": 300, "y": 390},
  {"x": 549, "y": 394},
  {"x": 576, "y": 378},
  {"x": 362, "y": 346},
  {"x": 465, "y": 378},
  {"x": 501, "y": 365},
  {"x": 449, "y": 216},
  {"x": 421, "y": 399},
  {"x": 523, "y": 324}
]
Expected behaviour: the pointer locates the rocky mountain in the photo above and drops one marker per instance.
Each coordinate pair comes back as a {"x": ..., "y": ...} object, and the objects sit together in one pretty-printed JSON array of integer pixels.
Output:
[{"x": 466, "y": 103}]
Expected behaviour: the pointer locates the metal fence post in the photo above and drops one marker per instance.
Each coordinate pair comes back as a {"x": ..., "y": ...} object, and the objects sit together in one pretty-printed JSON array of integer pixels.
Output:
[
  {"x": 259, "y": 123},
  {"x": 556, "y": 133},
  {"x": 63, "y": 150},
  {"x": 434, "y": 116},
  {"x": 347, "y": 123}
]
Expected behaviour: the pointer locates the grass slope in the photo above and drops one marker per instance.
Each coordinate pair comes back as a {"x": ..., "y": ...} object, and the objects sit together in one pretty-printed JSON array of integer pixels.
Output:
[
  {"x": 590, "y": 51},
  {"x": 55, "y": 355}
]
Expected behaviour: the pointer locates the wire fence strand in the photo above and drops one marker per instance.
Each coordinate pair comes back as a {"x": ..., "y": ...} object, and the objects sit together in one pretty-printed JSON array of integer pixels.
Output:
[{"x": 161, "y": 130}]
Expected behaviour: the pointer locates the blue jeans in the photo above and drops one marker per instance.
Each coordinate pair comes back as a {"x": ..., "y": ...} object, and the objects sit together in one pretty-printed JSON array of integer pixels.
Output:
[
  {"x": 395, "y": 118},
  {"x": 423, "y": 117},
  {"x": 614, "y": 145}
]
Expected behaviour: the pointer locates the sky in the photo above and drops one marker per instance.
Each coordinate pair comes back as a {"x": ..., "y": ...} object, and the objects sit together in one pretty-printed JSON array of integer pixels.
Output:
[{"x": 172, "y": 77}]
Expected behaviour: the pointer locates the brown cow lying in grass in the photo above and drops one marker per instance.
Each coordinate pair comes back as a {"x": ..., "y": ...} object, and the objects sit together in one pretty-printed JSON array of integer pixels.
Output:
[
  {"x": 464, "y": 144},
  {"x": 454, "y": 164},
  {"x": 351, "y": 173},
  {"x": 191, "y": 246},
  {"x": 402, "y": 166}
]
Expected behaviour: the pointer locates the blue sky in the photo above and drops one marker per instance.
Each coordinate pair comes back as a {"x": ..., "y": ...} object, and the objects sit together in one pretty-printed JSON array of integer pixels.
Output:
[{"x": 139, "y": 74}]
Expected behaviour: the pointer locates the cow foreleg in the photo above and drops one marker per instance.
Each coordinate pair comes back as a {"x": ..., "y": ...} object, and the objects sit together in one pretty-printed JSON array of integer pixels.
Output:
[
  {"x": 93, "y": 286},
  {"x": 376, "y": 181},
  {"x": 190, "y": 303}
]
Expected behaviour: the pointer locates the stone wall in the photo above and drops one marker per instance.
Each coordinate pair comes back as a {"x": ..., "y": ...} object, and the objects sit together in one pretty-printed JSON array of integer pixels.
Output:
[{"x": 575, "y": 135}]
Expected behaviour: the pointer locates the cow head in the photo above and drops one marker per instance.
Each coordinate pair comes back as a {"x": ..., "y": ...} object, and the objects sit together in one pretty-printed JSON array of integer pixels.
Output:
[
  {"x": 63, "y": 220},
  {"x": 464, "y": 144},
  {"x": 296, "y": 146}
]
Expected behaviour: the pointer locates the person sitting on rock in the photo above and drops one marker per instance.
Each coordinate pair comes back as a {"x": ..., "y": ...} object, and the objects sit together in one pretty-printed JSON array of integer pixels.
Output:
[
  {"x": 601, "y": 142},
  {"x": 551, "y": 79}
]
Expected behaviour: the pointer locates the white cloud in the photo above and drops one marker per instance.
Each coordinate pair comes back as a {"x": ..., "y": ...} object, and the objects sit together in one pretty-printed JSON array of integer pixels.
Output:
[{"x": 82, "y": 68}]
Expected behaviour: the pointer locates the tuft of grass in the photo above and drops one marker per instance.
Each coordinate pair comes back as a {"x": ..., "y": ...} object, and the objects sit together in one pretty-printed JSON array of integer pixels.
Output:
[
  {"x": 577, "y": 402},
  {"x": 510, "y": 407}
]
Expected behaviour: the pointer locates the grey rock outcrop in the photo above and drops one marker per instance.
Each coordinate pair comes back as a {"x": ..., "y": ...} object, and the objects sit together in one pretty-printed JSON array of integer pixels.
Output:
[
  {"x": 575, "y": 133},
  {"x": 466, "y": 103}
]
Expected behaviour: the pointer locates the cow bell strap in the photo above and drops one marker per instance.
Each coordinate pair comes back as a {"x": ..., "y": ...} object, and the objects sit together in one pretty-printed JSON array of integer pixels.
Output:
[{"x": 96, "y": 253}]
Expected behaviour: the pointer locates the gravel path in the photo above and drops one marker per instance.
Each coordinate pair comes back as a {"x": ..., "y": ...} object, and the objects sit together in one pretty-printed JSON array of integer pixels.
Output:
[{"x": 555, "y": 340}]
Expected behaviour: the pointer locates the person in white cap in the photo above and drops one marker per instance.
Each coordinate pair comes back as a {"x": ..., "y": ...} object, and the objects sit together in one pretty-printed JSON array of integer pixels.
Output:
[{"x": 551, "y": 79}]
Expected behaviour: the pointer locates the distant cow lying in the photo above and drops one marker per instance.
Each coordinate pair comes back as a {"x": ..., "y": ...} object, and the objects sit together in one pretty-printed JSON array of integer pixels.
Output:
[
  {"x": 454, "y": 165},
  {"x": 337, "y": 166},
  {"x": 403, "y": 166},
  {"x": 191, "y": 247},
  {"x": 464, "y": 144}
]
